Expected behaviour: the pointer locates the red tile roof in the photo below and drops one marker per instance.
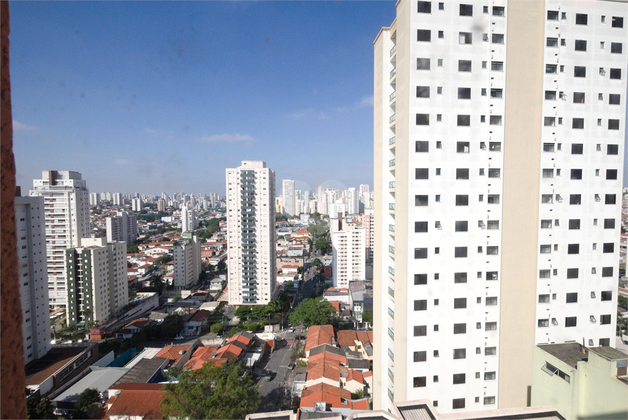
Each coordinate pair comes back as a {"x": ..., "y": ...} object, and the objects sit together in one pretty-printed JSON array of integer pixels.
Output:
[
  {"x": 143, "y": 403},
  {"x": 200, "y": 316},
  {"x": 324, "y": 393},
  {"x": 230, "y": 351},
  {"x": 346, "y": 337},
  {"x": 139, "y": 323},
  {"x": 317, "y": 335},
  {"x": 137, "y": 386},
  {"x": 328, "y": 356},
  {"x": 239, "y": 339},
  {"x": 335, "y": 304},
  {"x": 172, "y": 353},
  {"x": 355, "y": 375},
  {"x": 325, "y": 368}
]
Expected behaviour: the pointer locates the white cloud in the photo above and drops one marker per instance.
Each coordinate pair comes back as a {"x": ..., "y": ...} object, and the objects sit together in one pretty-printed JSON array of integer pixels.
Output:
[
  {"x": 302, "y": 113},
  {"x": 18, "y": 126},
  {"x": 367, "y": 101},
  {"x": 151, "y": 131},
  {"x": 227, "y": 138},
  {"x": 323, "y": 116}
]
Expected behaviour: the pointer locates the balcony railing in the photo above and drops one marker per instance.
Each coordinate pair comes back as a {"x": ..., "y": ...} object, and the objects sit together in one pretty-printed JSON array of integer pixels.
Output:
[
  {"x": 392, "y": 118},
  {"x": 391, "y": 162},
  {"x": 393, "y": 72},
  {"x": 393, "y": 50},
  {"x": 392, "y": 140},
  {"x": 392, "y": 96}
]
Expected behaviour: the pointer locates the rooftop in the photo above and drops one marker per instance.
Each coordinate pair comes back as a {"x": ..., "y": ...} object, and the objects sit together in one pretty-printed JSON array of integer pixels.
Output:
[
  {"x": 144, "y": 370},
  {"x": 609, "y": 353},
  {"x": 144, "y": 403},
  {"x": 570, "y": 353}
]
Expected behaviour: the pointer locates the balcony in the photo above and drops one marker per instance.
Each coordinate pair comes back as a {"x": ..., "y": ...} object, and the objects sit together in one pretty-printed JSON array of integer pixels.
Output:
[
  {"x": 393, "y": 72},
  {"x": 391, "y": 184},
  {"x": 393, "y": 50},
  {"x": 392, "y": 118},
  {"x": 392, "y": 96},
  {"x": 391, "y": 162},
  {"x": 392, "y": 140}
]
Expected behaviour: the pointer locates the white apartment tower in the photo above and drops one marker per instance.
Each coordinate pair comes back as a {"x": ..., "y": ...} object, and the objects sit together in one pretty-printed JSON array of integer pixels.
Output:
[
  {"x": 499, "y": 143},
  {"x": 187, "y": 262},
  {"x": 349, "y": 252},
  {"x": 188, "y": 219},
  {"x": 251, "y": 234},
  {"x": 117, "y": 199},
  {"x": 94, "y": 199},
  {"x": 122, "y": 227},
  {"x": 33, "y": 275},
  {"x": 97, "y": 281},
  {"x": 66, "y": 209},
  {"x": 289, "y": 198},
  {"x": 136, "y": 204},
  {"x": 368, "y": 223}
]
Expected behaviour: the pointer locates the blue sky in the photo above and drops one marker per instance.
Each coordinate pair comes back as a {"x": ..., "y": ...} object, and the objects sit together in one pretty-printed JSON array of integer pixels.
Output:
[{"x": 163, "y": 96}]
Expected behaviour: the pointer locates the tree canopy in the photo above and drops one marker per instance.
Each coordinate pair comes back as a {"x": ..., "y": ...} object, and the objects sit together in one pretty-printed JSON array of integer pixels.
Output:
[
  {"x": 317, "y": 263},
  {"x": 315, "y": 311},
  {"x": 322, "y": 244},
  {"x": 367, "y": 316},
  {"x": 85, "y": 399},
  {"x": 39, "y": 408},
  {"x": 212, "y": 392}
]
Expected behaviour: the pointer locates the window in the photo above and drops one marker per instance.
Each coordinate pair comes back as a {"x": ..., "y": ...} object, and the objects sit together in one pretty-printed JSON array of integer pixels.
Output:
[
  {"x": 572, "y": 297},
  {"x": 457, "y": 403},
  {"x": 613, "y": 124},
  {"x": 463, "y": 200},
  {"x": 441, "y": 34},
  {"x": 420, "y": 330},
  {"x": 611, "y": 174},
  {"x": 420, "y": 279},
  {"x": 495, "y": 120},
  {"x": 571, "y": 321},
  {"x": 497, "y": 38},
  {"x": 420, "y": 305},
  {"x": 607, "y": 271},
  {"x": 423, "y": 35},
  {"x": 550, "y": 95},
  {"x": 544, "y": 299},
  {"x": 494, "y": 173},
  {"x": 574, "y": 199},
  {"x": 576, "y": 174},
  {"x": 460, "y": 328},
  {"x": 493, "y": 224},
  {"x": 579, "y": 71},
  {"x": 552, "y": 15},
  {"x": 466, "y": 10},
  {"x": 422, "y": 91},
  {"x": 609, "y": 223},
  {"x": 490, "y": 351},
  {"x": 420, "y": 356},
  {"x": 419, "y": 381},
  {"x": 420, "y": 253},
  {"x": 462, "y": 226},
  {"x": 573, "y": 249},
  {"x": 459, "y": 378},
  {"x": 462, "y": 173},
  {"x": 606, "y": 295},
  {"x": 420, "y": 227},
  {"x": 422, "y": 146},
  {"x": 612, "y": 149},
  {"x": 464, "y": 93},
  {"x": 608, "y": 248},
  {"x": 497, "y": 93},
  {"x": 460, "y": 353},
  {"x": 462, "y": 147},
  {"x": 613, "y": 99},
  {"x": 581, "y": 45},
  {"x": 617, "y": 22},
  {"x": 574, "y": 224},
  {"x": 460, "y": 303},
  {"x": 420, "y": 200},
  {"x": 578, "y": 97},
  {"x": 609, "y": 199},
  {"x": 490, "y": 326},
  {"x": 577, "y": 123},
  {"x": 460, "y": 277},
  {"x": 424, "y": 7},
  {"x": 460, "y": 252},
  {"x": 493, "y": 199},
  {"x": 422, "y": 119},
  {"x": 548, "y": 147},
  {"x": 615, "y": 74},
  {"x": 547, "y": 198},
  {"x": 422, "y": 63},
  {"x": 572, "y": 273},
  {"x": 605, "y": 319},
  {"x": 551, "y": 42},
  {"x": 544, "y": 274},
  {"x": 421, "y": 173},
  {"x": 548, "y": 173},
  {"x": 577, "y": 148},
  {"x": 581, "y": 19},
  {"x": 616, "y": 47},
  {"x": 551, "y": 68},
  {"x": 465, "y": 38},
  {"x": 464, "y": 65}
]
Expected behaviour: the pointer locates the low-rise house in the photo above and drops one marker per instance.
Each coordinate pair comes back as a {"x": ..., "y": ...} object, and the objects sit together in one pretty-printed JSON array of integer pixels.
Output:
[
  {"x": 192, "y": 326},
  {"x": 132, "y": 328},
  {"x": 326, "y": 397},
  {"x": 317, "y": 335},
  {"x": 135, "y": 404},
  {"x": 337, "y": 294},
  {"x": 177, "y": 355}
]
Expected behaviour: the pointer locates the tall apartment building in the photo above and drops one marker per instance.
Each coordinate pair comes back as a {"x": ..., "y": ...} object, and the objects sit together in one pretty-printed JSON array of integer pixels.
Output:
[
  {"x": 349, "y": 256},
  {"x": 289, "y": 197},
  {"x": 352, "y": 200},
  {"x": 66, "y": 209},
  {"x": 499, "y": 143},
  {"x": 122, "y": 227},
  {"x": 187, "y": 262},
  {"x": 94, "y": 199},
  {"x": 161, "y": 204},
  {"x": 368, "y": 223},
  {"x": 96, "y": 280},
  {"x": 117, "y": 199},
  {"x": 136, "y": 204},
  {"x": 188, "y": 219},
  {"x": 33, "y": 275},
  {"x": 251, "y": 234}
]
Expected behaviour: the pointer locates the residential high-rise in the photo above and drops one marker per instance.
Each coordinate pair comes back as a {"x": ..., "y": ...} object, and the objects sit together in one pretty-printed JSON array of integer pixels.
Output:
[
  {"x": 187, "y": 262},
  {"x": 188, "y": 219},
  {"x": 122, "y": 227},
  {"x": 161, "y": 204},
  {"x": 353, "y": 201},
  {"x": 66, "y": 208},
  {"x": 349, "y": 252},
  {"x": 94, "y": 199},
  {"x": 289, "y": 199},
  {"x": 33, "y": 275},
  {"x": 368, "y": 223},
  {"x": 96, "y": 280},
  {"x": 499, "y": 144},
  {"x": 117, "y": 199},
  {"x": 251, "y": 234},
  {"x": 136, "y": 204}
]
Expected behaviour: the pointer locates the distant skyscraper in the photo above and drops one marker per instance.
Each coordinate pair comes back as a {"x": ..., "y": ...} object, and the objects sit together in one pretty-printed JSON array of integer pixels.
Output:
[
  {"x": 251, "y": 234},
  {"x": 187, "y": 262},
  {"x": 136, "y": 204},
  {"x": 353, "y": 201},
  {"x": 122, "y": 227},
  {"x": 94, "y": 199},
  {"x": 32, "y": 270},
  {"x": 188, "y": 219},
  {"x": 365, "y": 196},
  {"x": 66, "y": 208},
  {"x": 117, "y": 199},
  {"x": 499, "y": 145},
  {"x": 96, "y": 280},
  {"x": 161, "y": 205},
  {"x": 289, "y": 199}
]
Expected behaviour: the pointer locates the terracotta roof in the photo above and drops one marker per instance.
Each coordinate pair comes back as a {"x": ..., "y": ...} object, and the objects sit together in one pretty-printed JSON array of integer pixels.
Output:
[
  {"x": 323, "y": 392},
  {"x": 139, "y": 323},
  {"x": 195, "y": 364},
  {"x": 172, "y": 353},
  {"x": 230, "y": 351},
  {"x": 362, "y": 337},
  {"x": 239, "y": 339},
  {"x": 143, "y": 403},
  {"x": 325, "y": 368},
  {"x": 328, "y": 356},
  {"x": 317, "y": 335},
  {"x": 200, "y": 316},
  {"x": 335, "y": 304},
  {"x": 346, "y": 337},
  {"x": 355, "y": 375},
  {"x": 367, "y": 374}
]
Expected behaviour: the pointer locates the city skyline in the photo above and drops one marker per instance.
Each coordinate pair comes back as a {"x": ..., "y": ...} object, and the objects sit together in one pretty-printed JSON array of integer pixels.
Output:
[{"x": 101, "y": 89}]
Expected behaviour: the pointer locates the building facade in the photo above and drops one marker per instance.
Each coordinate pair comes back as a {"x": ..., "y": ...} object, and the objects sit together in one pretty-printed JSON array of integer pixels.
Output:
[
  {"x": 289, "y": 197},
  {"x": 188, "y": 219},
  {"x": 349, "y": 252},
  {"x": 66, "y": 209},
  {"x": 251, "y": 234},
  {"x": 33, "y": 275},
  {"x": 498, "y": 151},
  {"x": 122, "y": 227},
  {"x": 187, "y": 262},
  {"x": 96, "y": 281},
  {"x": 136, "y": 204}
]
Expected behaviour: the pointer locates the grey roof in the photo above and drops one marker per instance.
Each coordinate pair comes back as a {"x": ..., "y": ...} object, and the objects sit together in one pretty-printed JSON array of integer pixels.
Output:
[
  {"x": 144, "y": 370},
  {"x": 416, "y": 412},
  {"x": 99, "y": 378},
  {"x": 322, "y": 348},
  {"x": 368, "y": 348},
  {"x": 570, "y": 353},
  {"x": 305, "y": 415},
  {"x": 359, "y": 363},
  {"x": 609, "y": 353},
  {"x": 352, "y": 354}
]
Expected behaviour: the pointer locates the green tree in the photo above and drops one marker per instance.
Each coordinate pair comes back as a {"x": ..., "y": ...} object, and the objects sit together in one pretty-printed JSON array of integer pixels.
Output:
[
  {"x": 317, "y": 263},
  {"x": 300, "y": 270},
  {"x": 251, "y": 326},
  {"x": 315, "y": 311},
  {"x": 85, "y": 399},
  {"x": 243, "y": 312},
  {"x": 367, "y": 316},
  {"x": 132, "y": 249},
  {"x": 39, "y": 408},
  {"x": 171, "y": 326},
  {"x": 212, "y": 392},
  {"x": 322, "y": 244},
  {"x": 217, "y": 328},
  {"x": 221, "y": 266}
]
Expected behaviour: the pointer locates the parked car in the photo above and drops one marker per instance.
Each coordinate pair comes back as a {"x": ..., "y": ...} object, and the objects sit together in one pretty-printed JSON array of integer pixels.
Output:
[
  {"x": 271, "y": 376},
  {"x": 291, "y": 366}
]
